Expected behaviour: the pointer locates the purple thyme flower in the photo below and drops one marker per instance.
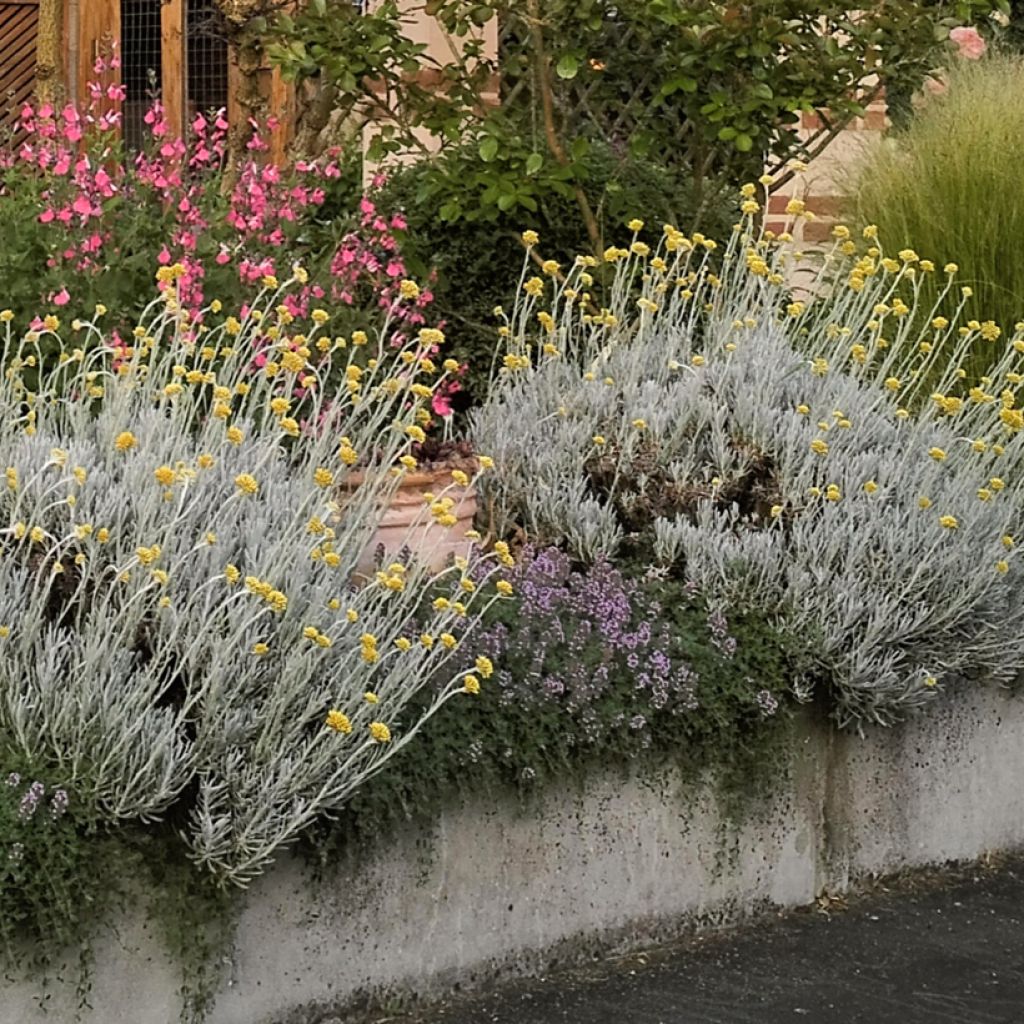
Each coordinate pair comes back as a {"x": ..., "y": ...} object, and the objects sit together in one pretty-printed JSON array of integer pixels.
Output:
[
  {"x": 767, "y": 702},
  {"x": 30, "y": 801},
  {"x": 718, "y": 626},
  {"x": 14, "y": 779},
  {"x": 58, "y": 804}
]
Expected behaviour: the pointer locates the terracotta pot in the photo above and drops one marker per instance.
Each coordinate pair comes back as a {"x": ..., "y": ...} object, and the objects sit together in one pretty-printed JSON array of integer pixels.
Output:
[{"x": 407, "y": 522}]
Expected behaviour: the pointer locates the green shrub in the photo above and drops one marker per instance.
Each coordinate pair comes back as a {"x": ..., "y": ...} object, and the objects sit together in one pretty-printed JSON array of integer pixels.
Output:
[
  {"x": 946, "y": 186},
  {"x": 474, "y": 261},
  {"x": 708, "y": 88}
]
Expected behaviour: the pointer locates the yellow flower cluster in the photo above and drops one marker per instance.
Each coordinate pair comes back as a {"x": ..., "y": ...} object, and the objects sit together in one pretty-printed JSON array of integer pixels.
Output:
[
  {"x": 277, "y": 600},
  {"x": 368, "y": 648},
  {"x": 314, "y": 634}
]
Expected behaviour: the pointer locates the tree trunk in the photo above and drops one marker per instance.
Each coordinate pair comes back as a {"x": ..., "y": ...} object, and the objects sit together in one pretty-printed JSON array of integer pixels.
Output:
[{"x": 245, "y": 59}]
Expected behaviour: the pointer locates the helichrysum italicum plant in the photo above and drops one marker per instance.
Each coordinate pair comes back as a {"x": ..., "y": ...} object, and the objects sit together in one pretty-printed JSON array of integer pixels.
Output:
[
  {"x": 177, "y": 606},
  {"x": 801, "y": 455}
]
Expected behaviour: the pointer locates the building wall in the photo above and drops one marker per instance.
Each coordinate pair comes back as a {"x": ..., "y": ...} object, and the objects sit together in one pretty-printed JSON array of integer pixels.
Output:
[{"x": 821, "y": 185}]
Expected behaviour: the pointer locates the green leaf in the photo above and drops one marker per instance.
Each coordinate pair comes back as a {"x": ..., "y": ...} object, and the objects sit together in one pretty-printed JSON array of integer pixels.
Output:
[
  {"x": 488, "y": 149},
  {"x": 680, "y": 83},
  {"x": 481, "y": 14},
  {"x": 534, "y": 163},
  {"x": 567, "y": 66},
  {"x": 743, "y": 142}
]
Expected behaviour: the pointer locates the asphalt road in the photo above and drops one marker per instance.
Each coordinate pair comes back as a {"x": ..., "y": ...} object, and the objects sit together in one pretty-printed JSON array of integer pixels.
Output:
[{"x": 931, "y": 950}]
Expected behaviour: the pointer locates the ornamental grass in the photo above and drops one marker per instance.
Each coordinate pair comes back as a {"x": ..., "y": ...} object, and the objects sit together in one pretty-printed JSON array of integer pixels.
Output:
[{"x": 947, "y": 184}]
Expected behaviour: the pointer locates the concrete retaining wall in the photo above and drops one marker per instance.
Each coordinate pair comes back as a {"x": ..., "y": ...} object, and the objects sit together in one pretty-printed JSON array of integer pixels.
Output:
[{"x": 495, "y": 890}]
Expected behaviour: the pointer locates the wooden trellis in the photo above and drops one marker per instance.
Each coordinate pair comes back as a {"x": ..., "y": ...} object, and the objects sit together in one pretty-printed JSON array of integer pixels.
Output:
[{"x": 601, "y": 102}]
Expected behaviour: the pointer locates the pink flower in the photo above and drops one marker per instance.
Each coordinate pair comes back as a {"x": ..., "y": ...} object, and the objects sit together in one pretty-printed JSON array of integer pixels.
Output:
[
  {"x": 969, "y": 42},
  {"x": 62, "y": 298},
  {"x": 441, "y": 405}
]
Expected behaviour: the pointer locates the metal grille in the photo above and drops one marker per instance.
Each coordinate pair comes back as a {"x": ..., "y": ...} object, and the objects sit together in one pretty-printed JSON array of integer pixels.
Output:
[
  {"x": 19, "y": 23},
  {"x": 206, "y": 58},
  {"x": 141, "y": 64}
]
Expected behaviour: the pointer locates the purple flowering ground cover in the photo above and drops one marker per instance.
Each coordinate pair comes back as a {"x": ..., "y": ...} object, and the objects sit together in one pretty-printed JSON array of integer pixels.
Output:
[
  {"x": 40, "y": 838},
  {"x": 596, "y": 665}
]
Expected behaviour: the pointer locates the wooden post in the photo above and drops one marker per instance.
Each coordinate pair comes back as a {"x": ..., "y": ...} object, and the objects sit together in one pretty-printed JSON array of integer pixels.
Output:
[
  {"x": 247, "y": 100},
  {"x": 99, "y": 26},
  {"x": 282, "y": 109},
  {"x": 49, "y": 40},
  {"x": 173, "y": 59}
]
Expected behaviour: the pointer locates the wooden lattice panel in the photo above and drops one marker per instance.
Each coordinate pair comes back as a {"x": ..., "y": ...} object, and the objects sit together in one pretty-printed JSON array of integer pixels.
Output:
[
  {"x": 615, "y": 101},
  {"x": 19, "y": 28}
]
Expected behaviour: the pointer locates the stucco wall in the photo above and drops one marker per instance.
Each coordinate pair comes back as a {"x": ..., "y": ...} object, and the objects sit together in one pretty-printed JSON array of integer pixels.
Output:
[{"x": 498, "y": 890}]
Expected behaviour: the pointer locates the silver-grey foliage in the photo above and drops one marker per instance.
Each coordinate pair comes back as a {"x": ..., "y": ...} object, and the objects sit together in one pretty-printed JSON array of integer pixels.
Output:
[
  {"x": 883, "y": 532},
  {"x": 177, "y": 610}
]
